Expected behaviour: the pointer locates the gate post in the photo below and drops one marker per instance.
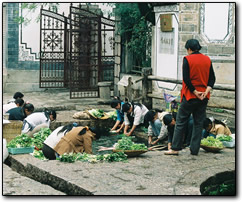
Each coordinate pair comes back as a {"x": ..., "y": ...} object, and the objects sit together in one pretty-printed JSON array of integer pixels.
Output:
[
  {"x": 104, "y": 90},
  {"x": 146, "y": 87}
]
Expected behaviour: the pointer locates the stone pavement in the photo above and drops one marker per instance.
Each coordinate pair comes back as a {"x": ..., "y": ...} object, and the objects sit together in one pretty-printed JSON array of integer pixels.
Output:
[
  {"x": 57, "y": 99},
  {"x": 16, "y": 184},
  {"x": 152, "y": 173}
]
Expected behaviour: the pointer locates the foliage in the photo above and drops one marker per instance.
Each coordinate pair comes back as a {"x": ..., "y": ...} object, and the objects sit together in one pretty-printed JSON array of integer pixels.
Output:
[
  {"x": 40, "y": 137},
  {"x": 112, "y": 115},
  {"x": 99, "y": 113},
  {"x": 22, "y": 140},
  {"x": 222, "y": 190},
  {"x": 212, "y": 142},
  {"x": 72, "y": 157},
  {"x": 219, "y": 110},
  {"x": 136, "y": 31},
  {"x": 127, "y": 144},
  {"x": 39, "y": 155},
  {"x": 224, "y": 138},
  {"x": 33, "y": 7}
]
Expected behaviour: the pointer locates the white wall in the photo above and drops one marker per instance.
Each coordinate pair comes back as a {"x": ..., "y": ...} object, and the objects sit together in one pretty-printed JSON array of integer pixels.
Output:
[{"x": 166, "y": 52}]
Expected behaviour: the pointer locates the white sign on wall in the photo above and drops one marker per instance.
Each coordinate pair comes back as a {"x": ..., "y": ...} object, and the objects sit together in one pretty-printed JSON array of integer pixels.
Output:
[
  {"x": 167, "y": 42},
  {"x": 167, "y": 52}
]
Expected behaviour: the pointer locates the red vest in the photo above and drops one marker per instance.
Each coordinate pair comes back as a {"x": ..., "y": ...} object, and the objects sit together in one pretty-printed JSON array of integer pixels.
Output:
[{"x": 199, "y": 66}]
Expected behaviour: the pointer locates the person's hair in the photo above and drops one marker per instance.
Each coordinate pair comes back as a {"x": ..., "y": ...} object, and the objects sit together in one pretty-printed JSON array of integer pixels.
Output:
[
  {"x": 50, "y": 112},
  {"x": 67, "y": 128},
  {"x": 207, "y": 121},
  {"x": 19, "y": 101},
  {"x": 149, "y": 116},
  {"x": 115, "y": 102},
  {"x": 29, "y": 107},
  {"x": 193, "y": 44},
  {"x": 18, "y": 95},
  {"x": 99, "y": 131},
  {"x": 167, "y": 119},
  {"x": 126, "y": 106}
]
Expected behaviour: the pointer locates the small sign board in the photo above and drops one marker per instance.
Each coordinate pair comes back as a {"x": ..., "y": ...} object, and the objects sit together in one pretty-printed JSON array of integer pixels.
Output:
[{"x": 166, "y": 22}]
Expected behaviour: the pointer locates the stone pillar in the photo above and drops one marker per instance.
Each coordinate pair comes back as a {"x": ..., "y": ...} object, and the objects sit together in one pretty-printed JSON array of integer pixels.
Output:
[{"x": 104, "y": 90}]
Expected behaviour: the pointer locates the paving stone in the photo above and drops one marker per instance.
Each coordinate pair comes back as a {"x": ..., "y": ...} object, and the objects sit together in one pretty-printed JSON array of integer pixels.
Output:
[{"x": 16, "y": 184}]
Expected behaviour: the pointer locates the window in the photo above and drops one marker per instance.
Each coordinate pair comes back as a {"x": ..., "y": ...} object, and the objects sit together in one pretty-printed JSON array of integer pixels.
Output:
[{"x": 216, "y": 21}]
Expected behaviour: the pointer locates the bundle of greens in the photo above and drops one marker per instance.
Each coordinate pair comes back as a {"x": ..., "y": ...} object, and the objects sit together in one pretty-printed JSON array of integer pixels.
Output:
[
  {"x": 112, "y": 115},
  {"x": 72, "y": 157},
  {"x": 127, "y": 144},
  {"x": 226, "y": 138},
  {"x": 99, "y": 113},
  {"x": 22, "y": 140},
  {"x": 211, "y": 142},
  {"x": 39, "y": 154},
  {"x": 40, "y": 137}
]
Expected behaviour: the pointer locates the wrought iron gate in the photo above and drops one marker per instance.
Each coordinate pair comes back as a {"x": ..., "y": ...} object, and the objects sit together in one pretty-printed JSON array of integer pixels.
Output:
[{"x": 76, "y": 52}]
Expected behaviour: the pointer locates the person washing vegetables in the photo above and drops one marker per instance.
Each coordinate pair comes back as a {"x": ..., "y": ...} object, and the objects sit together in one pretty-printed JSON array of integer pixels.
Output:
[
  {"x": 79, "y": 140},
  {"x": 156, "y": 126},
  {"x": 37, "y": 120},
  {"x": 117, "y": 104},
  {"x": 133, "y": 116},
  {"x": 213, "y": 127},
  {"x": 53, "y": 139}
]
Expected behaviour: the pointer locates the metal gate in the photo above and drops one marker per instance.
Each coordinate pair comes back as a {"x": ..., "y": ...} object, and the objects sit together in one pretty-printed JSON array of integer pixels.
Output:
[
  {"x": 76, "y": 52},
  {"x": 53, "y": 46}
]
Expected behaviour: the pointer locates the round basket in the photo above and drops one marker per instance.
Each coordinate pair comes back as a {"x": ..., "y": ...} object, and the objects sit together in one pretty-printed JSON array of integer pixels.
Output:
[
  {"x": 131, "y": 153},
  {"x": 211, "y": 149}
]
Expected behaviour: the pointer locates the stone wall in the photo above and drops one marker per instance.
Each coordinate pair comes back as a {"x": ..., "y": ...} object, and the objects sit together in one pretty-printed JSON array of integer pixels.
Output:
[{"x": 222, "y": 54}]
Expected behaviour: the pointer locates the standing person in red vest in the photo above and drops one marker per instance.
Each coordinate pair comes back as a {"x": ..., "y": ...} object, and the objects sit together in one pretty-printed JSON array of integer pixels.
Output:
[{"x": 198, "y": 80}]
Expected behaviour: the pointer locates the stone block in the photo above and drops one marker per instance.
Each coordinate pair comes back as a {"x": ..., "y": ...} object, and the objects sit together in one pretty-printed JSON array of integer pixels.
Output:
[
  {"x": 212, "y": 49},
  {"x": 188, "y": 28}
]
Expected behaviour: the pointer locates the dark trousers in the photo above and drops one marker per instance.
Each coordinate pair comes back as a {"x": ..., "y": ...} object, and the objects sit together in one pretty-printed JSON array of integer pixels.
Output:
[
  {"x": 197, "y": 108},
  {"x": 48, "y": 152}
]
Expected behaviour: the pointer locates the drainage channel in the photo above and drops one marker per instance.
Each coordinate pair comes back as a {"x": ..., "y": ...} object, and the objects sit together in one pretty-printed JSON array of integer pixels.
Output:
[{"x": 45, "y": 178}]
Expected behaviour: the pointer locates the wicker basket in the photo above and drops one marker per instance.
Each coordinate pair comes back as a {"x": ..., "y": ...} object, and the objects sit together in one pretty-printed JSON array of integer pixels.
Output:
[
  {"x": 211, "y": 149},
  {"x": 12, "y": 129},
  {"x": 131, "y": 153}
]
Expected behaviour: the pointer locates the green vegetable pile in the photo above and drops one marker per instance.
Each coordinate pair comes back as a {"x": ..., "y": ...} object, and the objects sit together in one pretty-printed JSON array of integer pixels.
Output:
[
  {"x": 22, "y": 140},
  {"x": 39, "y": 155},
  {"x": 40, "y": 137},
  {"x": 127, "y": 144},
  {"x": 72, "y": 157},
  {"x": 99, "y": 113},
  {"x": 224, "y": 138},
  {"x": 211, "y": 142},
  {"x": 112, "y": 115}
]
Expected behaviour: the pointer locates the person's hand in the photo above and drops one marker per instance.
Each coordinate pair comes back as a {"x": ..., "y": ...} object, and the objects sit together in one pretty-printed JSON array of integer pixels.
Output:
[
  {"x": 126, "y": 133},
  {"x": 154, "y": 143},
  {"x": 129, "y": 134},
  {"x": 199, "y": 95},
  {"x": 206, "y": 92}
]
